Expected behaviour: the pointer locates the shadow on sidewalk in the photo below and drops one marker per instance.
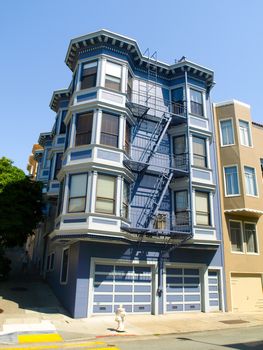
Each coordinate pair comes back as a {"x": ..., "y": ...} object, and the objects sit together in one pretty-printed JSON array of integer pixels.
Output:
[{"x": 28, "y": 291}]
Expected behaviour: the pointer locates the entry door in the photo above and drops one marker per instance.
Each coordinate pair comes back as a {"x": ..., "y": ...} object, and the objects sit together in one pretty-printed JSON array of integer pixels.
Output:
[
  {"x": 129, "y": 285},
  {"x": 183, "y": 291}
]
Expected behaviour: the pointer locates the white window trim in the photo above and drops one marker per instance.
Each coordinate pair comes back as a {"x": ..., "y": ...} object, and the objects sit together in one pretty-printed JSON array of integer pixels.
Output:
[
  {"x": 202, "y": 91},
  {"x": 247, "y": 194},
  {"x": 238, "y": 183},
  {"x": 61, "y": 266},
  {"x": 220, "y": 131},
  {"x": 249, "y": 131},
  {"x": 242, "y": 237},
  {"x": 256, "y": 233}
]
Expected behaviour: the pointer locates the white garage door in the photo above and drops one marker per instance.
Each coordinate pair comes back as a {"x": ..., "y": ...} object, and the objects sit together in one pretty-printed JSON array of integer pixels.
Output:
[
  {"x": 246, "y": 292},
  {"x": 117, "y": 284},
  {"x": 183, "y": 291}
]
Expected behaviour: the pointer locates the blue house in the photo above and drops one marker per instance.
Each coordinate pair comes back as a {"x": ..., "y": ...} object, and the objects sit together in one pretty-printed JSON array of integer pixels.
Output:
[{"x": 133, "y": 214}]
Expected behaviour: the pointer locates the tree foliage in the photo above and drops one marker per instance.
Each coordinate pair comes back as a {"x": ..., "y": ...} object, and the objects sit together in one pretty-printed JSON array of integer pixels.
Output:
[{"x": 20, "y": 204}]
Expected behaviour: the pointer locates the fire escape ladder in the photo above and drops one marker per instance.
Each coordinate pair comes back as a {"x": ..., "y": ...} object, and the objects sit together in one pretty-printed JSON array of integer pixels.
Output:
[{"x": 154, "y": 200}]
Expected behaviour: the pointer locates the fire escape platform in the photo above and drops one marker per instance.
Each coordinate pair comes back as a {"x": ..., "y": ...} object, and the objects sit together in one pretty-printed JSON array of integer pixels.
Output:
[
  {"x": 173, "y": 234},
  {"x": 138, "y": 110}
]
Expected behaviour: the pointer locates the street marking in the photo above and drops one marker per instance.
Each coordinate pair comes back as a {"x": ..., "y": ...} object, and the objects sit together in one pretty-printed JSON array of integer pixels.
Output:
[
  {"x": 64, "y": 346},
  {"x": 39, "y": 338}
]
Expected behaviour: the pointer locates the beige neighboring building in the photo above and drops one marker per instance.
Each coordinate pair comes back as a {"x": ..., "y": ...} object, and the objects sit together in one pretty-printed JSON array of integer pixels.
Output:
[
  {"x": 32, "y": 163},
  {"x": 240, "y": 162}
]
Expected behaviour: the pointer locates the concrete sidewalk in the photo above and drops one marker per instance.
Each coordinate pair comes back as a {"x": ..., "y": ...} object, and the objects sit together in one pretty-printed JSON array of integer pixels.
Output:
[{"x": 29, "y": 306}]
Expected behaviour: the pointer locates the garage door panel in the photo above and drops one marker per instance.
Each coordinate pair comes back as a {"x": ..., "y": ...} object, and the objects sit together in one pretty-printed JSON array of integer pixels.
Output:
[
  {"x": 183, "y": 291},
  {"x": 128, "y": 285}
]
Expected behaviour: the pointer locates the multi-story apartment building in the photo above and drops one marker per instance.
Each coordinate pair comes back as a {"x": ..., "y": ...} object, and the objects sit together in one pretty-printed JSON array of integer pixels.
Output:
[
  {"x": 137, "y": 220},
  {"x": 240, "y": 160}
]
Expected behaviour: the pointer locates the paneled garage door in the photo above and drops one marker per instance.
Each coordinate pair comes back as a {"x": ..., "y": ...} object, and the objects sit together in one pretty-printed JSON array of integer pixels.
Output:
[
  {"x": 130, "y": 286},
  {"x": 183, "y": 291},
  {"x": 246, "y": 292}
]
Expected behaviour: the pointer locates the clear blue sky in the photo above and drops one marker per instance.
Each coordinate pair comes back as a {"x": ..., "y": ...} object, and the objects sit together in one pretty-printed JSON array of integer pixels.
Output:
[{"x": 224, "y": 35}]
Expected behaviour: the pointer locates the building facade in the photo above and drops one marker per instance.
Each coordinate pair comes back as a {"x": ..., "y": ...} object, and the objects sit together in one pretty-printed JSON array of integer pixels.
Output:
[
  {"x": 132, "y": 191},
  {"x": 240, "y": 160}
]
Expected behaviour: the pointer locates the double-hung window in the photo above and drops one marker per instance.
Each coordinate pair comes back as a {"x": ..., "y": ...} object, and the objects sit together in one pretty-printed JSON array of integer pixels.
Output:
[
  {"x": 231, "y": 180},
  {"x": 127, "y": 137},
  {"x": 109, "y": 130},
  {"x": 236, "y": 236},
  {"x": 196, "y": 100},
  {"x": 89, "y": 75},
  {"x": 62, "y": 127},
  {"x": 245, "y": 136},
  {"x": 113, "y": 76},
  {"x": 84, "y": 129},
  {"x": 199, "y": 152},
  {"x": 77, "y": 193},
  {"x": 129, "y": 87},
  {"x": 250, "y": 181},
  {"x": 181, "y": 208},
  {"x": 58, "y": 164},
  {"x": 202, "y": 208},
  {"x": 250, "y": 237},
  {"x": 105, "y": 197},
  {"x": 64, "y": 266},
  {"x": 226, "y": 132}
]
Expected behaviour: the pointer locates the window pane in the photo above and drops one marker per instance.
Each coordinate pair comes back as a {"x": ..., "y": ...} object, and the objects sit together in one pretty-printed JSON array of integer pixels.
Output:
[
  {"x": 245, "y": 138},
  {"x": 125, "y": 199},
  {"x": 77, "y": 204},
  {"x": 89, "y": 75},
  {"x": 62, "y": 129},
  {"x": 196, "y": 96},
  {"x": 58, "y": 164},
  {"x": 250, "y": 236},
  {"x": 202, "y": 208},
  {"x": 250, "y": 180},
  {"x": 113, "y": 83},
  {"x": 227, "y": 132},
  {"x": 109, "y": 130},
  {"x": 113, "y": 69},
  {"x": 196, "y": 102},
  {"x": 64, "y": 270},
  {"x": 181, "y": 201},
  {"x": 84, "y": 129},
  {"x": 78, "y": 185},
  {"x": 199, "y": 151},
  {"x": 179, "y": 145},
  {"x": 105, "y": 194},
  {"x": 231, "y": 179},
  {"x": 236, "y": 236}
]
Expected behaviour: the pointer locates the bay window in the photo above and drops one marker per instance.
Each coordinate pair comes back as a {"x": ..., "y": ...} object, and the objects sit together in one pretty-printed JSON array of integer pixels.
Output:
[
  {"x": 244, "y": 130},
  {"x": 226, "y": 132},
  {"x": 89, "y": 75},
  {"x": 113, "y": 76},
  {"x": 250, "y": 181},
  {"x": 236, "y": 236},
  {"x": 84, "y": 129},
  {"x": 199, "y": 152},
  {"x": 202, "y": 208},
  {"x": 77, "y": 193},
  {"x": 105, "y": 195},
  {"x": 231, "y": 180},
  {"x": 196, "y": 101},
  {"x": 109, "y": 130},
  {"x": 58, "y": 164}
]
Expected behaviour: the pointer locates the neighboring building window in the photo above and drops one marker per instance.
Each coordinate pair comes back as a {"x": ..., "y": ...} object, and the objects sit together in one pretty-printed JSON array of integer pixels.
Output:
[
  {"x": 58, "y": 164},
  {"x": 64, "y": 266},
  {"x": 178, "y": 101},
  {"x": 245, "y": 137},
  {"x": 125, "y": 200},
  {"x": 105, "y": 198},
  {"x": 113, "y": 76},
  {"x": 231, "y": 180},
  {"x": 199, "y": 152},
  {"x": 250, "y": 181},
  {"x": 77, "y": 193},
  {"x": 227, "y": 133},
  {"x": 202, "y": 208},
  {"x": 196, "y": 99},
  {"x": 250, "y": 238},
  {"x": 89, "y": 75},
  {"x": 84, "y": 129},
  {"x": 109, "y": 130},
  {"x": 181, "y": 207},
  {"x": 236, "y": 236},
  {"x": 62, "y": 127}
]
